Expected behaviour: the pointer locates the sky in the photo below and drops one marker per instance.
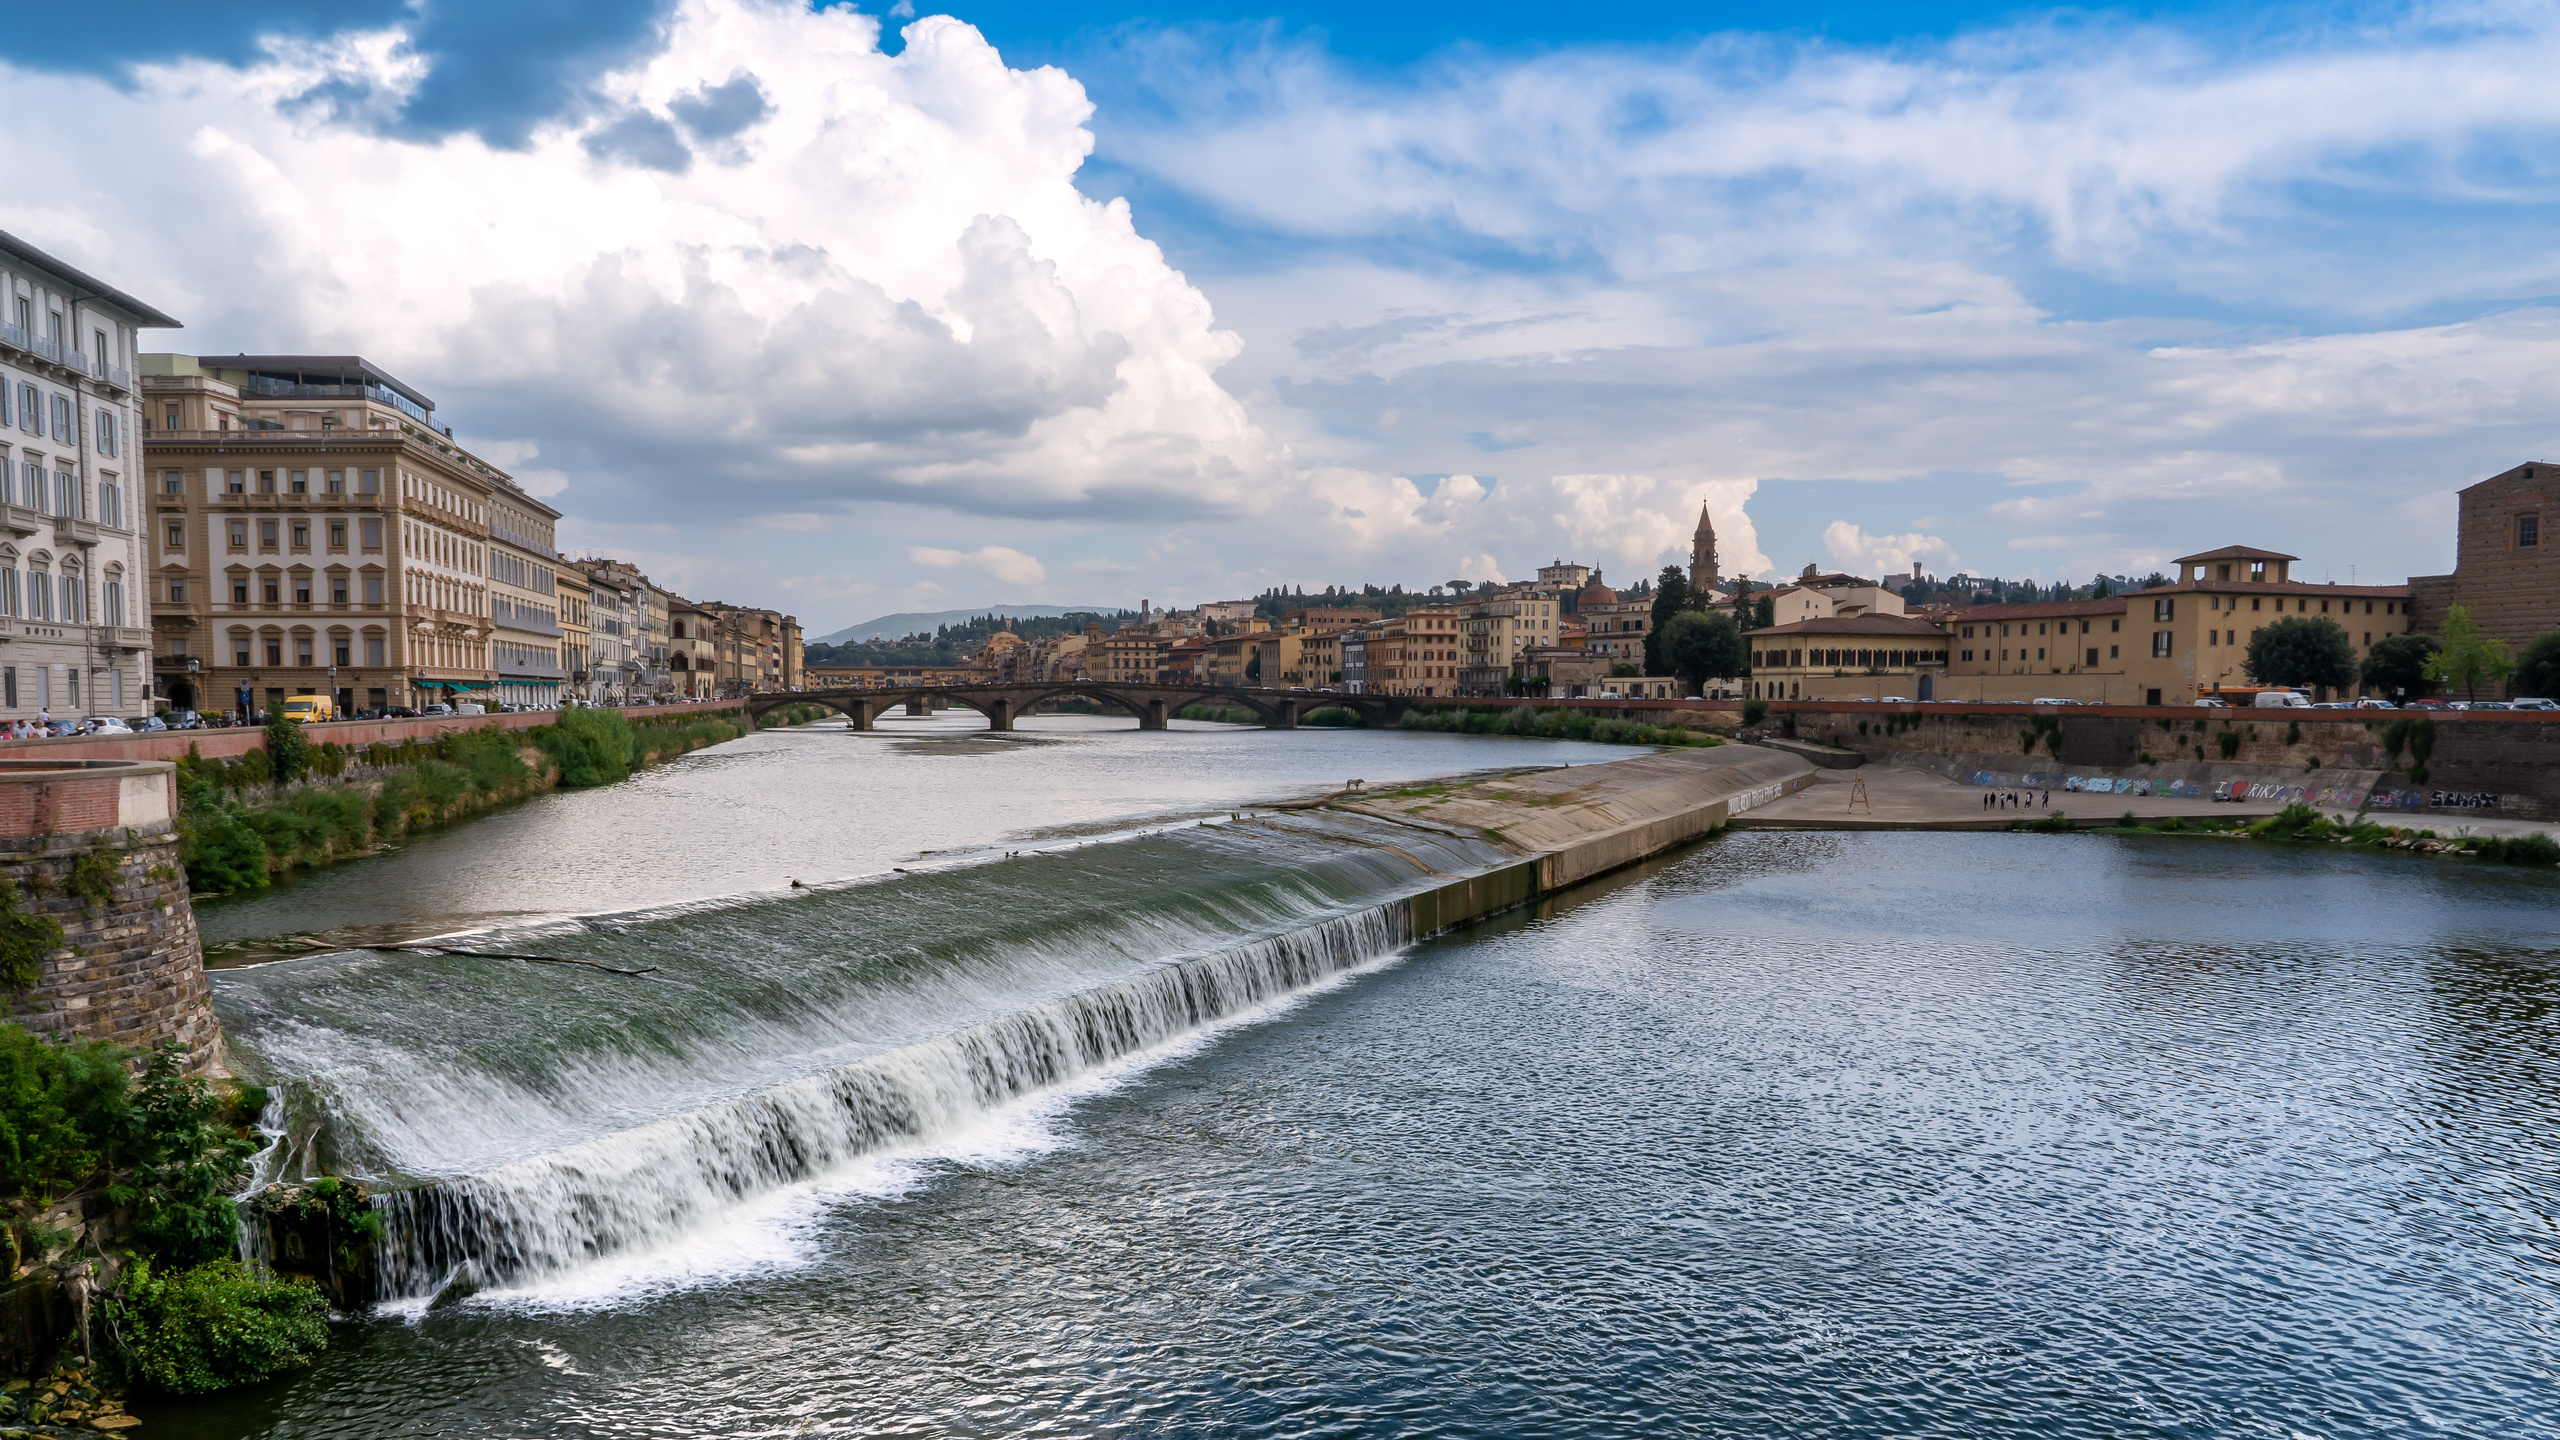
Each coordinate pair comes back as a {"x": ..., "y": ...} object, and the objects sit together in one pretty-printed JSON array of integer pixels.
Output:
[{"x": 855, "y": 311}]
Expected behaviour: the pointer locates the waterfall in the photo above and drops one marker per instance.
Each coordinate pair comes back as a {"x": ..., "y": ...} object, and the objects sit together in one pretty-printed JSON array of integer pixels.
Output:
[{"x": 637, "y": 1188}]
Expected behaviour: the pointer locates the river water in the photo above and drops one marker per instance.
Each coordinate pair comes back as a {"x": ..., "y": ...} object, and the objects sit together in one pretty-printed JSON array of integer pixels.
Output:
[{"x": 1167, "y": 1127}]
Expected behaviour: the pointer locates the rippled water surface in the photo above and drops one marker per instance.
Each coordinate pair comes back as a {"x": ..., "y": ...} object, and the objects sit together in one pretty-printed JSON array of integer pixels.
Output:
[{"x": 1792, "y": 1134}]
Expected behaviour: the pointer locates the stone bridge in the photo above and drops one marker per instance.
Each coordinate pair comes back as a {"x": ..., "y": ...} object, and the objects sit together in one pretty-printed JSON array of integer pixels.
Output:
[{"x": 1154, "y": 705}]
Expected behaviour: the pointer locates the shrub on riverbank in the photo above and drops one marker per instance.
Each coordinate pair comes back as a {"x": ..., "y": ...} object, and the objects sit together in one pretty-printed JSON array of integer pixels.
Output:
[
  {"x": 140, "y": 1160},
  {"x": 1557, "y": 724},
  {"x": 1220, "y": 714},
  {"x": 1333, "y": 717},
  {"x": 802, "y": 714}
]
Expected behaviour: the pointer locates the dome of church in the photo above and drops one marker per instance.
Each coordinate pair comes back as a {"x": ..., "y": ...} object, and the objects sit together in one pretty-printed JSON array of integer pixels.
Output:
[{"x": 1595, "y": 593}]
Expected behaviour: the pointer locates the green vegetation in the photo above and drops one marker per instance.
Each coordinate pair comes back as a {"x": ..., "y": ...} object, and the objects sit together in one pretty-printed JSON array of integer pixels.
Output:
[
  {"x": 2538, "y": 668},
  {"x": 156, "y": 1153},
  {"x": 216, "y": 1326},
  {"x": 25, "y": 940},
  {"x": 2302, "y": 824},
  {"x": 2397, "y": 664},
  {"x": 1556, "y": 724},
  {"x": 1704, "y": 646},
  {"x": 801, "y": 714},
  {"x": 2468, "y": 658},
  {"x": 2415, "y": 734},
  {"x": 2056, "y": 823},
  {"x": 236, "y": 832},
  {"x": 2303, "y": 651},
  {"x": 1333, "y": 717},
  {"x": 288, "y": 749},
  {"x": 1754, "y": 711}
]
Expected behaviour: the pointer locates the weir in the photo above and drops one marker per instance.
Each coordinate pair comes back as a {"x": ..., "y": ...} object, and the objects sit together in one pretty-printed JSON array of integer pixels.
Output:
[{"x": 563, "y": 1199}]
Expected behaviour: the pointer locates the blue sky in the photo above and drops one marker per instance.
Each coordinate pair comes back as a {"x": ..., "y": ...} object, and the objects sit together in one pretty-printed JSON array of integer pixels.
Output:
[{"x": 1398, "y": 293}]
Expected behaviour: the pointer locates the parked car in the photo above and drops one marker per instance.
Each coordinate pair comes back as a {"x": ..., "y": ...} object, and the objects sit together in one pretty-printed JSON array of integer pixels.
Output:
[
  {"x": 437, "y": 710},
  {"x": 2370, "y": 703},
  {"x": 2487, "y": 705},
  {"x": 2426, "y": 705},
  {"x": 2533, "y": 702},
  {"x": 184, "y": 720},
  {"x": 2281, "y": 700},
  {"x": 2333, "y": 705},
  {"x": 105, "y": 725},
  {"x": 149, "y": 724},
  {"x": 2212, "y": 702}
]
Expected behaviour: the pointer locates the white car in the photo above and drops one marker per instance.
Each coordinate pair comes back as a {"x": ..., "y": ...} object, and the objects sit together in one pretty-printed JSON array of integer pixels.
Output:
[
  {"x": 2533, "y": 702},
  {"x": 106, "y": 725},
  {"x": 2281, "y": 700}
]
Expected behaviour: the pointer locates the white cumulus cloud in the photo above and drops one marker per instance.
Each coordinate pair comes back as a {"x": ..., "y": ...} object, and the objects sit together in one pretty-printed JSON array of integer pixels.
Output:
[{"x": 999, "y": 563}]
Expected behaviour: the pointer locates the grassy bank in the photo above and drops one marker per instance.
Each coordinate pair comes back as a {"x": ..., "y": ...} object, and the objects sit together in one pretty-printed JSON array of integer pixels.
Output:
[
  {"x": 1221, "y": 714},
  {"x": 2300, "y": 824},
  {"x": 1557, "y": 724},
  {"x": 244, "y": 822}
]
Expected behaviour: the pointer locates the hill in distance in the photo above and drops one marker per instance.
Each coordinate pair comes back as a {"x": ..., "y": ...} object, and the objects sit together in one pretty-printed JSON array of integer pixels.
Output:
[{"x": 890, "y": 627}]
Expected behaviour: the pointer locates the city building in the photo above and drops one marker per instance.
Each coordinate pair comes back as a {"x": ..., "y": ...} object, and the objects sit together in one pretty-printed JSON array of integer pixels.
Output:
[
  {"x": 615, "y": 602},
  {"x": 577, "y": 640},
  {"x": 2191, "y": 637},
  {"x": 525, "y": 633},
  {"x": 2502, "y": 572},
  {"x": 1493, "y": 634},
  {"x": 319, "y": 532},
  {"x": 693, "y": 649},
  {"x": 1703, "y": 578},
  {"x": 1850, "y": 657},
  {"x": 73, "y": 568}
]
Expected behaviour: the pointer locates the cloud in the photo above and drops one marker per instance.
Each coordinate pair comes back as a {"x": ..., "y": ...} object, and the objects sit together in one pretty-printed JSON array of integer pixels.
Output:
[
  {"x": 878, "y": 283},
  {"x": 996, "y": 562},
  {"x": 1876, "y": 556}
]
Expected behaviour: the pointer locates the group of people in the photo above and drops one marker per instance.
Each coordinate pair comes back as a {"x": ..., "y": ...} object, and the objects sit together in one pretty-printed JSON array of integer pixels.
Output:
[
  {"x": 2016, "y": 799},
  {"x": 35, "y": 729}
]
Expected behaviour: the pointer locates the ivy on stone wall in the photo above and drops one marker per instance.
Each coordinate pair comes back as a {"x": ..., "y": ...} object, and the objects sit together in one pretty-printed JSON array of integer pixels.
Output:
[{"x": 25, "y": 939}]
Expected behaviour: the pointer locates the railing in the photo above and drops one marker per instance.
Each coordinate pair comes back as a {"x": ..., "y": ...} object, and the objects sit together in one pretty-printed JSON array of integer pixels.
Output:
[
  {"x": 295, "y": 390},
  {"x": 115, "y": 375},
  {"x": 15, "y": 336}
]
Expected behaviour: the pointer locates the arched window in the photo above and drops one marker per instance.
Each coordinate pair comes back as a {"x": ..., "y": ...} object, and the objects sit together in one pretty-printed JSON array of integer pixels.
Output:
[
  {"x": 8, "y": 581},
  {"x": 75, "y": 594},
  {"x": 39, "y": 588}
]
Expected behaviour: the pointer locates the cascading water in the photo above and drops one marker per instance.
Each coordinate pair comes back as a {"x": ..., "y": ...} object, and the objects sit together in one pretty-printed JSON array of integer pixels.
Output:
[{"x": 524, "y": 1119}]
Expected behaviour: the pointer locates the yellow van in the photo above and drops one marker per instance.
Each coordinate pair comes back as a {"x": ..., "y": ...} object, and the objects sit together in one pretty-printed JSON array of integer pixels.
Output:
[{"x": 308, "y": 708}]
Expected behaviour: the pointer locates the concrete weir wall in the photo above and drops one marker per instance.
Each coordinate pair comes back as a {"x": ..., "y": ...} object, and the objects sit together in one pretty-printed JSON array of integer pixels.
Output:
[
  {"x": 93, "y": 846},
  {"x": 1573, "y": 823}
]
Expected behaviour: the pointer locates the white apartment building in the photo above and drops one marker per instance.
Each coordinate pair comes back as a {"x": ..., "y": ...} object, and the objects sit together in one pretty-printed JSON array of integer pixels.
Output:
[
  {"x": 524, "y": 600},
  {"x": 74, "y": 607}
]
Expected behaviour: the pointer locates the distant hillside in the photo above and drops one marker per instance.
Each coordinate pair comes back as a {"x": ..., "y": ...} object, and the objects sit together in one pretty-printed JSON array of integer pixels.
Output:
[{"x": 890, "y": 627}]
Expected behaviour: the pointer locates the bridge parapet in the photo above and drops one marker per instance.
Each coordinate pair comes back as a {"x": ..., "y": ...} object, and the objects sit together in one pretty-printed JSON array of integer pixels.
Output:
[{"x": 1153, "y": 706}]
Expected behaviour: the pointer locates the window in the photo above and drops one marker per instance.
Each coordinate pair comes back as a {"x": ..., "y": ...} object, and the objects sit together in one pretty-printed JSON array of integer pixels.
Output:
[
  {"x": 368, "y": 482},
  {"x": 107, "y": 432},
  {"x": 339, "y": 651},
  {"x": 301, "y": 589},
  {"x": 337, "y": 589},
  {"x": 30, "y": 410},
  {"x": 110, "y": 505},
  {"x": 266, "y": 534},
  {"x": 266, "y": 482},
  {"x": 177, "y": 536},
  {"x": 299, "y": 482},
  {"x": 2253, "y": 602},
  {"x": 2528, "y": 530},
  {"x": 2093, "y": 654},
  {"x": 9, "y": 685},
  {"x": 39, "y": 595},
  {"x": 2164, "y": 610},
  {"x": 301, "y": 534},
  {"x": 177, "y": 592},
  {"x": 169, "y": 416},
  {"x": 235, "y": 482},
  {"x": 75, "y": 609},
  {"x": 9, "y": 588},
  {"x": 373, "y": 650},
  {"x": 337, "y": 534},
  {"x": 2160, "y": 642},
  {"x": 271, "y": 589},
  {"x": 111, "y": 600},
  {"x": 302, "y": 651},
  {"x": 240, "y": 651},
  {"x": 373, "y": 589},
  {"x": 62, "y": 418},
  {"x": 337, "y": 482},
  {"x": 275, "y": 652},
  {"x": 372, "y": 533},
  {"x": 239, "y": 590}
]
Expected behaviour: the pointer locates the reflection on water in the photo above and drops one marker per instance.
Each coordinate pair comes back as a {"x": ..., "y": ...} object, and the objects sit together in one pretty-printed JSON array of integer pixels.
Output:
[{"x": 1794, "y": 1134}]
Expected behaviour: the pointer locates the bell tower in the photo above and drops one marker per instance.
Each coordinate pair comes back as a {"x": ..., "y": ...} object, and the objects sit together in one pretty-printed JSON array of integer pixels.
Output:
[{"x": 1702, "y": 554}]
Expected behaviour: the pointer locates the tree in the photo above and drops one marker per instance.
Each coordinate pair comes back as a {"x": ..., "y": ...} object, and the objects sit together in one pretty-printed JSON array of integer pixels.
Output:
[
  {"x": 2468, "y": 658},
  {"x": 2538, "y": 668},
  {"x": 288, "y": 749},
  {"x": 1670, "y": 597},
  {"x": 1764, "y": 612},
  {"x": 2154, "y": 580},
  {"x": 1461, "y": 587},
  {"x": 2303, "y": 651},
  {"x": 1702, "y": 647},
  {"x": 2397, "y": 664}
]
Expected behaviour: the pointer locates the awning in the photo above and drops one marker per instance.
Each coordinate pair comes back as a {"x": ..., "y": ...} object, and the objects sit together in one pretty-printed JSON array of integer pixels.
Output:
[{"x": 455, "y": 687}]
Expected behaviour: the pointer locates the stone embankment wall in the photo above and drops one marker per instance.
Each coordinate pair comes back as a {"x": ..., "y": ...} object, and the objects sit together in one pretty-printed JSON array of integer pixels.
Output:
[
  {"x": 92, "y": 846},
  {"x": 2504, "y": 764}
]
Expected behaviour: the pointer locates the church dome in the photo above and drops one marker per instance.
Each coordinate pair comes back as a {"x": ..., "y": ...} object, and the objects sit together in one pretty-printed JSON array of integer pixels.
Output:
[{"x": 1595, "y": 593}]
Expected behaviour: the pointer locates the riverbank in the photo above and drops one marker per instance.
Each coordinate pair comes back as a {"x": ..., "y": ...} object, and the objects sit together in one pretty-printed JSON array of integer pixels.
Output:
[{"x": 242, "y": 826}]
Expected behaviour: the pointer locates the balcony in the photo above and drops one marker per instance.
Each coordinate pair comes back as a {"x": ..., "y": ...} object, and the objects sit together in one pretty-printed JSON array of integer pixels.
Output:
[
  {"x": 125, "y": 639},
  {"x": 19, "y": 520},
  {"x": 70, "y": 531}
]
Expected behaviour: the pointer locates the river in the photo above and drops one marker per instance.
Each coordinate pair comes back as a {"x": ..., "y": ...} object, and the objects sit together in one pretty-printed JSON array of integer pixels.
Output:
[{"x": 1162, "y": 1126}]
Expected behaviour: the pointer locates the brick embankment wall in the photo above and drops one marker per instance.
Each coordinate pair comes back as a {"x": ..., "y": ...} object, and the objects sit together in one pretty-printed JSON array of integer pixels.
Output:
[
  {"x": 2505, "y": 764},
  {"x": 129, "y": 968}
]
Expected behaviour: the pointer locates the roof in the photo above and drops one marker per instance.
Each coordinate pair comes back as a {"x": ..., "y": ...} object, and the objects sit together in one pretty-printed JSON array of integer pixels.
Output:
[
  {"x": 1856, "y": 625},
  {"x": 2235, "y": 552},
  {"x": 143, "y": 315},
  {"x": 341, "y": 369},
  {"x": 2306, "y": 588},
  {"x": 2041, "y": 610}
]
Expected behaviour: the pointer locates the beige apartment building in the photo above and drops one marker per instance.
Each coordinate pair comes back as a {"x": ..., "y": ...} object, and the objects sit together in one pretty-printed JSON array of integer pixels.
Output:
[
  {"x": 693, "y": 649},
  {"x": 1417, "y": 653},
  {"x": 1133, "y": 655},
  {"x": 1493, "y": 634},
  {"x": 576, "y": 640},
  {"x": 317, "y": 533},
  {"x": 525, "y": 633},
  {"x": 74, "y": 574}
]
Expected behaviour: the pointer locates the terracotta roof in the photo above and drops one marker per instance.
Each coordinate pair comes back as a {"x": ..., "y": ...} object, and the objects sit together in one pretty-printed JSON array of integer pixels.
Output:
[
  {"x": 2234, "y": 552},
  {"x": 2040, "y": 610},
  {"x": 2304, "y": 588},
  {"x": 1856, "y": 625}
]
